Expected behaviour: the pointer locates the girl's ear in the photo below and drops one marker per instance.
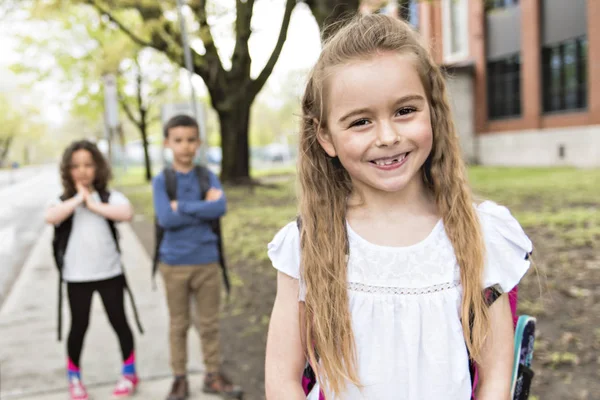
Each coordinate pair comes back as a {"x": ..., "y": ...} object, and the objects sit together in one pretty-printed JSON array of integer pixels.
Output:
[{"x": 325, "y": 140}]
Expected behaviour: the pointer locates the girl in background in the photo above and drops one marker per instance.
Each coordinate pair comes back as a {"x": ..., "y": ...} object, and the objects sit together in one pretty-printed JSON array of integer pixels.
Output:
[{"x": 91, "y": 261}]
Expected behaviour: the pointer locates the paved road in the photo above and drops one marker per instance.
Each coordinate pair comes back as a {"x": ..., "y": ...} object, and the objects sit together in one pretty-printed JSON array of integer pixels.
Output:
[
  {"x": 10, "y": 177},
  {"x": 22, "y": 207}
]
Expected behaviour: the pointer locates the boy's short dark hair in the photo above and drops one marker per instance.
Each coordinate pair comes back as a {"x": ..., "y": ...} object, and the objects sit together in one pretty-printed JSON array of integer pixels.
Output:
[{"x": 180, "y": 120}]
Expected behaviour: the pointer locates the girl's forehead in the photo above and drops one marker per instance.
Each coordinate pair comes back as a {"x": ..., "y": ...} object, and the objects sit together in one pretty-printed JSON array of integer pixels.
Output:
[
  {"x": 372, "y": 79},
  {"x": 81, "y": 155}
]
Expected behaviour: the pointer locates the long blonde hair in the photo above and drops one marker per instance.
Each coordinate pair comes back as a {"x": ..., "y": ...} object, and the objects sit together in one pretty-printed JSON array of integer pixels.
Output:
[{"x": 325, "y": 186}]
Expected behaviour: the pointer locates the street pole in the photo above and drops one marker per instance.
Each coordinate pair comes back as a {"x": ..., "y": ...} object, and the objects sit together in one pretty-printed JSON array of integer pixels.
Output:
[
  {"x": 187, "y": 54},
  {"x": 188, "y": 65}
]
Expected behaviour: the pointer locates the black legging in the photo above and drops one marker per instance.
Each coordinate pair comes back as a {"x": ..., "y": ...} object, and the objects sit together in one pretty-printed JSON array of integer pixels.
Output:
[{"x": 80, "y": 300}]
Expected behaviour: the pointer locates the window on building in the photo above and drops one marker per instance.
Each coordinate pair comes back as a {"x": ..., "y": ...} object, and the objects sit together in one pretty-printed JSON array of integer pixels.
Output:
[
  {"x": 564, "y": 74},
  {"x": 409, "y": 11},
  {"x": 496, "y": 4},
  {"x": 504, "y": 87},
  {"x": 456, "y": 29}
]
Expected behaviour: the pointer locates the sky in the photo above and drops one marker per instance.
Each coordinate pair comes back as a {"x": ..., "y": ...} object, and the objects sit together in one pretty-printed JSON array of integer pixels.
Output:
[{"x": 299, "y": 53}]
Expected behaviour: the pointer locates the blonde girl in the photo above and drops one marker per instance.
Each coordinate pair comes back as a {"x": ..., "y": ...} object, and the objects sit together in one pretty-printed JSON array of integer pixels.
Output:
[{"x": 380, "y": 287}]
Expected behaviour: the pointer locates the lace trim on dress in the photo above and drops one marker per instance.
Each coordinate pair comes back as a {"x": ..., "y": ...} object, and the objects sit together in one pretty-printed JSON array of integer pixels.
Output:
[{"x": 359, "y": 287}]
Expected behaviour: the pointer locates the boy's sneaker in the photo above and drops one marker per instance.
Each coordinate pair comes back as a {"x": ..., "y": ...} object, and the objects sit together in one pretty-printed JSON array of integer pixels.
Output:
[
  {"x": 126, "y": 386},
  {"x": 218, "y": 383},
  {"x": 77, "y": 390}
]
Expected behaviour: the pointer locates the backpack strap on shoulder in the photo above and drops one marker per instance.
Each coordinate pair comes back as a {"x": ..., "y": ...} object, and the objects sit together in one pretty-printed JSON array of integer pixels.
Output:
[
  {"x": 203, "y": 176},
  {"x": 171, "y": 183}
]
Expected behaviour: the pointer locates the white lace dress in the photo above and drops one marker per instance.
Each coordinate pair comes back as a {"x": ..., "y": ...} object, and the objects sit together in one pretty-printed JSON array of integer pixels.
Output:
[{"x": 405, "y": 306}]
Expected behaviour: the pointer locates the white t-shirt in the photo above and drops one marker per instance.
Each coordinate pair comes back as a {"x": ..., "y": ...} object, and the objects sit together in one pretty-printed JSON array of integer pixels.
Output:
[
  {"x": 91, "y": 253},
  {"x": 405, "y": 306}
]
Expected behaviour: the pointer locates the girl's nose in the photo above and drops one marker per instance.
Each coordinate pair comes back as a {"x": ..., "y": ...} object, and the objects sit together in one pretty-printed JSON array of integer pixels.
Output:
[{"x": 387, "y": 135}]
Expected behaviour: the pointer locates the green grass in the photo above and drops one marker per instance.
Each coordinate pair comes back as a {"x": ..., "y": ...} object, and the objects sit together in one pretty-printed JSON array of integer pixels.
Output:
[
  {"x": 254, "y": 215},
  {"x": 563, "y": 201},
  {"x": 262, "y": 173},
  {"x": 133, "y": 177},
  {"x": 550, "y": 187}
]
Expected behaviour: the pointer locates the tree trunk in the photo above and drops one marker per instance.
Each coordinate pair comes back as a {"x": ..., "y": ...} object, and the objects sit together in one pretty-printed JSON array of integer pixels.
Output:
[
  {"x": 5, "y": 145},
  {"x": 327, "y": 12},
  {"x": 147, "y": 161},
  {"x": 235, "y": 165}
]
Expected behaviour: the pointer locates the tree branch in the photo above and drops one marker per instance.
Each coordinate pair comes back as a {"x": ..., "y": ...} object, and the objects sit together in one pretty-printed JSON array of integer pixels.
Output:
[
  {"x": 139, "y": 82},
  {"x": 164, "y": 37},
  {"x": 158, "y": 92},
  {"x": 121, "y": 26},
  {"x": 127, "y": 109},
  {"x": 154, "y": 119},
  {"x": 240, "y": 60},
  {"x": 215, "y": 71},
  {"x": 258, "y": 83}
]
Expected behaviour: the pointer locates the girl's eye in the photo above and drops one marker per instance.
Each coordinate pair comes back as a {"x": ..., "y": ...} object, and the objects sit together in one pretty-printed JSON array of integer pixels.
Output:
[
  {"x": 360, "y": 122},
  {"x": 406, "y": 110}
]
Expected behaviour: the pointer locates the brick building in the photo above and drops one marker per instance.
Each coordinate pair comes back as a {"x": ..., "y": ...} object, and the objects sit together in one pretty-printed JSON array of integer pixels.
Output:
[{"x": 524, "y": 75}]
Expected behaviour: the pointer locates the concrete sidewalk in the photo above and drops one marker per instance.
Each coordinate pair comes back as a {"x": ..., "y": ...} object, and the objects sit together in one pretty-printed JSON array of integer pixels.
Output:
[{"x": 32, "y": 362}]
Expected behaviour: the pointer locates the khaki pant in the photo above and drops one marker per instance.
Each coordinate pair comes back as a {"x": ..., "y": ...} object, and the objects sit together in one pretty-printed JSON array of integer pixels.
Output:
[{"x": 203, "y": 284}]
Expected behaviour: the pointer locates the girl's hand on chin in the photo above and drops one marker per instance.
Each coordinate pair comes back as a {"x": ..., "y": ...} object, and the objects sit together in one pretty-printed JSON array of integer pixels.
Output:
[{"x": 83, "y": 191}]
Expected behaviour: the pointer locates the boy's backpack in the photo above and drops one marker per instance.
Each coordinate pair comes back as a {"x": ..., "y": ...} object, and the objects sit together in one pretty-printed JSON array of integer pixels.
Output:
[
  {"x": 203, "y": 176},
  {"x": 60, "y": 241},
  {"x": 524, "y": 338}
]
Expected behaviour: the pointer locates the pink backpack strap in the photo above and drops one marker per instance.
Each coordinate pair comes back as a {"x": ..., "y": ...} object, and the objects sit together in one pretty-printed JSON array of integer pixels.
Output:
[{"x": 513, "y": 297}]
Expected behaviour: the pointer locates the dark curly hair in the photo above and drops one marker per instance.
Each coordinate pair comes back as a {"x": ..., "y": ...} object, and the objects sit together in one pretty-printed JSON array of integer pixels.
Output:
[{"x": 103, "y": 173}]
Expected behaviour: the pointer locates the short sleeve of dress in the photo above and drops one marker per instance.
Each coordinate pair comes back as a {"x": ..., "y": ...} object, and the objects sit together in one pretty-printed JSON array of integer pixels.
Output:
[
  {"x": 284, "y": 252},
  {"x": 507, "y": 247}
]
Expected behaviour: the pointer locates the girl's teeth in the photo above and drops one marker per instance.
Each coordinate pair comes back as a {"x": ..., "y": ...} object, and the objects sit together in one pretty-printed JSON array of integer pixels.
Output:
[{"x": 390, "y": 162}]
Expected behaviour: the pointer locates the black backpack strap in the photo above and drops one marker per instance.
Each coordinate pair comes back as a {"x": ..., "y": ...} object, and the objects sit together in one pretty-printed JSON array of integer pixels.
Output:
[
  {"x": 104, "y": 197},
  {"x": 171, "y": 188},
  {"x": 217, "y": 229},
  {"x": 133, "y": 305},
  {"x": 203, "y": 175},
  {"x": 60, "y": 302},
  {"x": 59, "y": 247},
  {"x": 171, "y": 183},
  {"x": 159, "y": 233}
]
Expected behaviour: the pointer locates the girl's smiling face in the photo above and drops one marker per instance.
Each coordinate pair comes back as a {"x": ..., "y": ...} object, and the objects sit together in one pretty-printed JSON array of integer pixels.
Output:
[{"x": 378, "y": 121}]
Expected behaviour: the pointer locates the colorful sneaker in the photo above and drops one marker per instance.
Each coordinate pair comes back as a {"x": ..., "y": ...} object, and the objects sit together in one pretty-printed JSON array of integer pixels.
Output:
[
  {"x": 77, "y": 390},
  {"x": 126, "y": 386}
]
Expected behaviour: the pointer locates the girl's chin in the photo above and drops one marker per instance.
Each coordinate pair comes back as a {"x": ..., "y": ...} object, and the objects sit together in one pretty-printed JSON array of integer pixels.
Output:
[{"x": 86, "y": 184}]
